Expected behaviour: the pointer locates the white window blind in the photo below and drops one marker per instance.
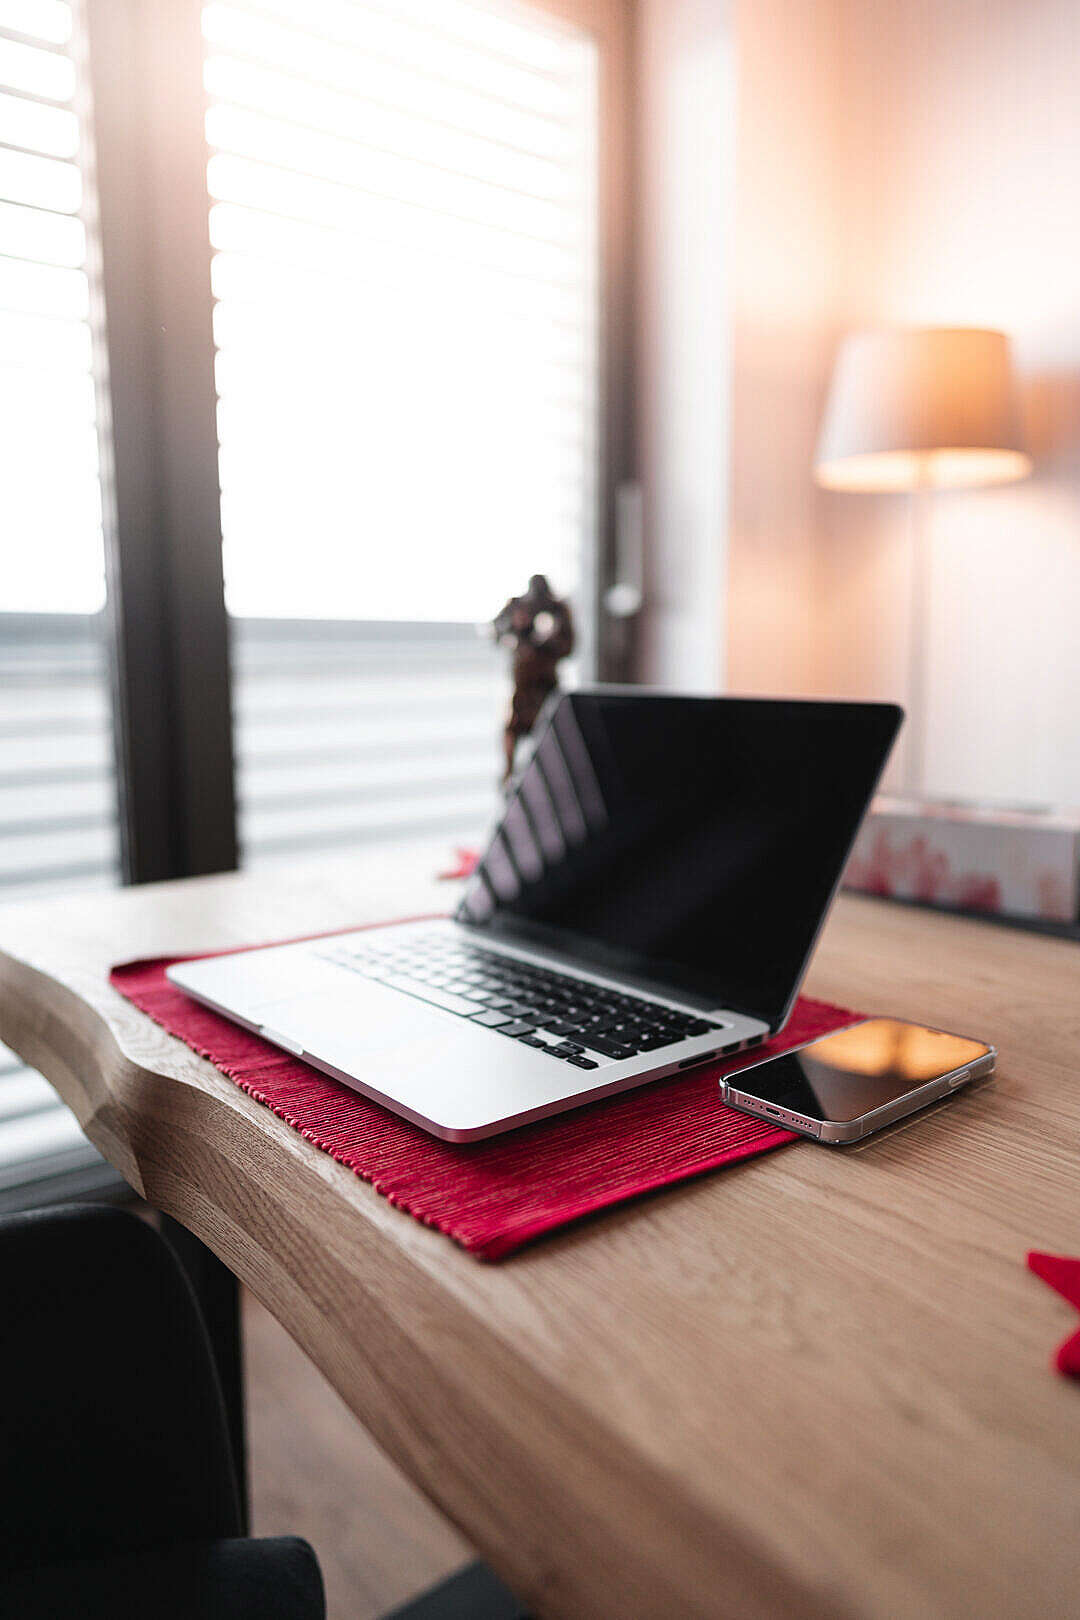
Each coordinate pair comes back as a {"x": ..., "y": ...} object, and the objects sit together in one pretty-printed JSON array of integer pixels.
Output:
[
  {"x": 52, "y": 523},
  {"x": 405, "y": 234},
  {"x": 57, "y": 790},
  {"x": 404, "y": 223},
  {"x": 58, "y": 825}
]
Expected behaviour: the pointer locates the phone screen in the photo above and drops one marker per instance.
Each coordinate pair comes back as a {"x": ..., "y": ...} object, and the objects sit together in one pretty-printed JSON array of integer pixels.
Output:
[{"x": 843, "y": 1076}]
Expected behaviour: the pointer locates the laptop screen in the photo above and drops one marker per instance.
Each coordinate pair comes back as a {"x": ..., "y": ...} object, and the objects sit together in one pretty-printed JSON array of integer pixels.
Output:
[{"x": 691, "y": 844}]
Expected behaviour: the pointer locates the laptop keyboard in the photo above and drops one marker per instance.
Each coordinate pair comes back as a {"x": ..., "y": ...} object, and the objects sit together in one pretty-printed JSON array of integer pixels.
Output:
[{"x": 572, "y": 1019}]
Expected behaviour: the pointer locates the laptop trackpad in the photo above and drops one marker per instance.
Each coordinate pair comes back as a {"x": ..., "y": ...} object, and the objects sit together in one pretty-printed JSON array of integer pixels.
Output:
[{"x": 368, "y": 1026}]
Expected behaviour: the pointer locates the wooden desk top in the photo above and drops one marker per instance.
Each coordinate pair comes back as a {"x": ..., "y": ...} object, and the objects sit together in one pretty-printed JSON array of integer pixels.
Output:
[{"x": 814, "y": 1385}]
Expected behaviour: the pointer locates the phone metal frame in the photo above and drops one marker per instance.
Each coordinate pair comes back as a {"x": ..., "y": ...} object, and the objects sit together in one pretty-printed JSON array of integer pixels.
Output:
[{"x": 837, "y": 1132}]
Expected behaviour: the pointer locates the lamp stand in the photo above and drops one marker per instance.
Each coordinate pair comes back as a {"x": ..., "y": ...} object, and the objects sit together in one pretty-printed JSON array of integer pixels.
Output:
[{"x": 918, "y": 628}]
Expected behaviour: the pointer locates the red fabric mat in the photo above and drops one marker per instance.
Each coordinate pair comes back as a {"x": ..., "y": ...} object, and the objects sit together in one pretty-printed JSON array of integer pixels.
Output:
[{"x": 495, "y": 1195}]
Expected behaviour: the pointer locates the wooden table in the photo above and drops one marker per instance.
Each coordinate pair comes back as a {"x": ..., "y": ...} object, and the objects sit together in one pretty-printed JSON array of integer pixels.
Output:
[{"x": 815, "y": 1384}]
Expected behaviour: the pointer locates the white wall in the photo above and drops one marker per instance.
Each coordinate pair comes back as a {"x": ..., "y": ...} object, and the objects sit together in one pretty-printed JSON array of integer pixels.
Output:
[
  {"x": 962, "y": 153},
  {"x": 892, "y": 163},
  {"x": 959, "y": 168},
  {"x": 785, "y": 259},
  {"x": 683, "y": 213},
  {"x": 738, "y": 241}
]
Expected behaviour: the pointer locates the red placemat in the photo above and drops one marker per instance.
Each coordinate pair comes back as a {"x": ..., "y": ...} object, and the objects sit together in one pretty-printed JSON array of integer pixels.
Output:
[{"x": 495, "y": 1195}]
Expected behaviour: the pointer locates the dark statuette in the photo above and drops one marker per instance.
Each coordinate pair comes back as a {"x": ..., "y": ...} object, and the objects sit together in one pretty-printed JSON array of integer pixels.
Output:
[{"x": 539, "y": 629}]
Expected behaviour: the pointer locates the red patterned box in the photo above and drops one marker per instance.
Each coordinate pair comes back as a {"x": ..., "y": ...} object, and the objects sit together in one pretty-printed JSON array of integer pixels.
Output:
[{"x": 1013, "y": 862}]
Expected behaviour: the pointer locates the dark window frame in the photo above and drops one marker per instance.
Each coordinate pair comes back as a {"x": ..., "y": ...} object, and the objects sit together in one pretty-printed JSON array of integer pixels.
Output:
[{"x": 144, "y": 158}]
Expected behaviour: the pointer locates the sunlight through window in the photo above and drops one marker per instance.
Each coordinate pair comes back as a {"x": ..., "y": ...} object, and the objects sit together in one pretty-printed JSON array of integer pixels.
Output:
[
  {"x": 404, "y": 224},
  {"x": 53, "y": 558}
]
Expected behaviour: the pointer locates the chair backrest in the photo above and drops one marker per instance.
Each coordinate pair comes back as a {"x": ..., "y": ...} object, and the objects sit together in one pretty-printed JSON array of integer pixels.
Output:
[{"x": 113, "y": 1435}]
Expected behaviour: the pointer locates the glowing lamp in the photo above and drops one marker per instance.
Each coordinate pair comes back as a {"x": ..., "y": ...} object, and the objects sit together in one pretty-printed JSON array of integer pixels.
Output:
[{"x": 918, "y": 410}]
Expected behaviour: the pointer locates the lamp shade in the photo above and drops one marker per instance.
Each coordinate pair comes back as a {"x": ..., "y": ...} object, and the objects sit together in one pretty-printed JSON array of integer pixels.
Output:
[{"x": 921, "y": 408}]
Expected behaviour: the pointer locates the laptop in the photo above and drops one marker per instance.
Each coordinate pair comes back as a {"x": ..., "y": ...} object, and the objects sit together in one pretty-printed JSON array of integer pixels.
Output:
[{"x": 648, "y": 902}]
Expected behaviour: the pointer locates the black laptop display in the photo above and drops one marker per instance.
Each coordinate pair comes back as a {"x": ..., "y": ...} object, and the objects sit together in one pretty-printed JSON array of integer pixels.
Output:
[{"x": 690, "y": 844}]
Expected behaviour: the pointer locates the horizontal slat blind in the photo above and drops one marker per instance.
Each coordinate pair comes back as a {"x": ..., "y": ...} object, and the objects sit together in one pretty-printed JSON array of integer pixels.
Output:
[
  {"x": 404, "y": 219},
  {"x": 58, "y": 823},
  {"x": 351, "y": 733},
  {"x": 57, "y": 789},
  {"x": 52, "y": 524}
]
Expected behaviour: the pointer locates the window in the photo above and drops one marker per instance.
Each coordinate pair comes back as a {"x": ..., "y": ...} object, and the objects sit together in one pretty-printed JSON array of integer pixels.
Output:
[
  {"x": 58, "y": 817},
  {"x": 404, "y": 218},
  {"x": 350, "y": 315}
]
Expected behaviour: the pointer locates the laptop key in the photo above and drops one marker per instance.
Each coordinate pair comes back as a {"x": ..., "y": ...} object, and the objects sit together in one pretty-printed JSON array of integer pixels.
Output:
[
  {"x": 424, "y": 992},
  {"x": 538, "y": 1006},
  {"x": 580, "y": 1062},
  {"x": 611, "y": 1049}
]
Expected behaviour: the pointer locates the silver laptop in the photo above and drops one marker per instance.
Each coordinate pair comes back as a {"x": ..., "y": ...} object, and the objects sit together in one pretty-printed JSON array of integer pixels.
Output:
[{"x": 648, "y": 902}]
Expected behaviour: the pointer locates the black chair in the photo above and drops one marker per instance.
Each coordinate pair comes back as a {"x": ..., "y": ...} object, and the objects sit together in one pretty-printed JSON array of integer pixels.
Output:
[
  {"x": 118, "y": 1495},
  {"x": 472, "y": 1593}
]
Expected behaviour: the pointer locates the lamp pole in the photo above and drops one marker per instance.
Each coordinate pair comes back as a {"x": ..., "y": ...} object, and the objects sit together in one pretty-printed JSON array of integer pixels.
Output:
[{"x": 918, "y": 639}]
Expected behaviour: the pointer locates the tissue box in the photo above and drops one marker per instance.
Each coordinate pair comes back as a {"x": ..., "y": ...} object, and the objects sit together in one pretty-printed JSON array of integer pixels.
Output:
[{"x": 1014, "y": 862}]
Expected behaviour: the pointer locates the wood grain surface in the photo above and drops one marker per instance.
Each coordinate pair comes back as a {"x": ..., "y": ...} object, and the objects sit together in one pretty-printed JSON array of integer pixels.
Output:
[{"x": 817, "y": 1384}]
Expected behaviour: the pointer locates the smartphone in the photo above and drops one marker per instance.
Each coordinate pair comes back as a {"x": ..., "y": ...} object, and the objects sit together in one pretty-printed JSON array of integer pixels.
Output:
[{"x": 842, "y": 1087}]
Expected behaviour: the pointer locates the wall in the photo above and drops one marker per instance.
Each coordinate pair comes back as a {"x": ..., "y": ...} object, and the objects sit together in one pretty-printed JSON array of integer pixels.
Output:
[
  {"x": 892, "y": 163},
  {"x": 784, "y": 296},
  {"x": 953, "y": 197},
  {"x": 736, "y": 233},
  {"x": 685, "y": 115},
  {"x": 962, "y": 151}
]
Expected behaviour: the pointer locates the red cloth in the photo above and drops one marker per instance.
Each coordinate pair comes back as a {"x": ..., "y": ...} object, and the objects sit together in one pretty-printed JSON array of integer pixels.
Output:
[
  {"x": 1063, "y": 1275},
  {"x": 465, "y": 862},
  {"x": 495, "y": 1195}
]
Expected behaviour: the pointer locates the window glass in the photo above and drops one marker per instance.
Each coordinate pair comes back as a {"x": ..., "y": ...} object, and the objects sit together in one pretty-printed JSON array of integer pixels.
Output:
[
  {"x": 404, "y": 223},
  {"x": 58, "y": 818}
]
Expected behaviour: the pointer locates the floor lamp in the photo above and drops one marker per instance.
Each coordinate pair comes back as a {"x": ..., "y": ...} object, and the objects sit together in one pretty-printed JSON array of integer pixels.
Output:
[{"x": 919, "y": 410}]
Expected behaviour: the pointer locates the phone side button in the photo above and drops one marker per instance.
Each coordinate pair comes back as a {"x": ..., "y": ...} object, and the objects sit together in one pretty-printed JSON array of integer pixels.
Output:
[{"x": 958, "y": 1080}]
